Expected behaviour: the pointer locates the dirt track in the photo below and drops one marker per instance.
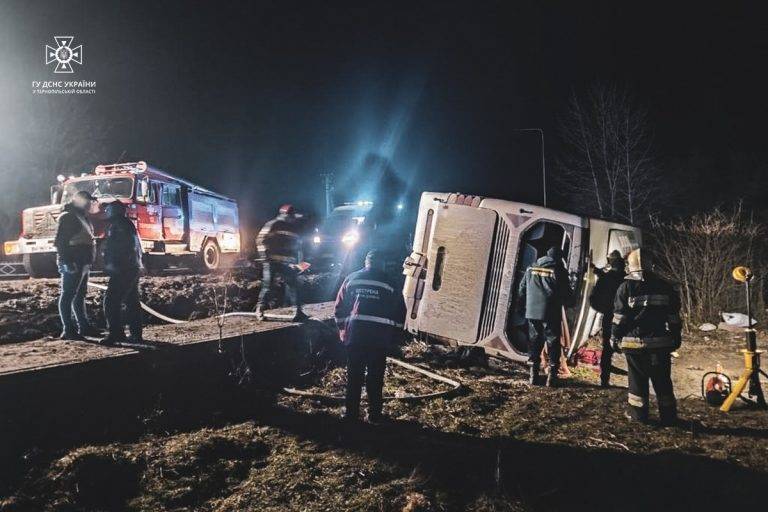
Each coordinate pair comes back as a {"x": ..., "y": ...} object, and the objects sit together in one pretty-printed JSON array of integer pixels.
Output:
[{"x": 28, "y": 308}]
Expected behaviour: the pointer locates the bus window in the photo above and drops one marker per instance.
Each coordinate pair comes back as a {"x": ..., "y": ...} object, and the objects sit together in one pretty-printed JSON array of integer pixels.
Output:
[{"x": 622, "y": 241}]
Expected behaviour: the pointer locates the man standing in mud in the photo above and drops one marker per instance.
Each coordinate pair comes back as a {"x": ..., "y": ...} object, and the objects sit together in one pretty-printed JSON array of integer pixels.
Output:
[
  {"x": 369, "y": 314},
  {"x": 544, "y": 290},
  {"x": 279, "y": 245},
  {"x": 122, "y": 262},
  {"x": 75, "y": 252},
  {"x": 647, "y": 328},
  {"x": 601, "y": 299}
]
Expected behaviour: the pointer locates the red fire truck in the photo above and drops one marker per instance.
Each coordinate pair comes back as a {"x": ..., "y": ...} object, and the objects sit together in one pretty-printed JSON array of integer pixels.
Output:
[{"x": 174, "y": 218}]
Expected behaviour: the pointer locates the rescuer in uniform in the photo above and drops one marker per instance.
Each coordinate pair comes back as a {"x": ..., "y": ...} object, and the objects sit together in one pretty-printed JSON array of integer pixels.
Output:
[
  {"x": 601, "y": 299},
  {"x": 544, "y": 290},
  {"x": 75, "y": 252},
  {"x": 279, "y": 244},
  {"x": 122, "y": 253},
  {"x": 647, "y": 327},
  {"x": 369, "y": 314}
]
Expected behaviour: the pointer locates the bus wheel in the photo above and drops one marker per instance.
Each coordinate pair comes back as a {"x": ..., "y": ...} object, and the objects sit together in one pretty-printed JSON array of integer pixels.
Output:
[
  {"x": 210, "y": 255},
  {"x": 41, "y": 265}
]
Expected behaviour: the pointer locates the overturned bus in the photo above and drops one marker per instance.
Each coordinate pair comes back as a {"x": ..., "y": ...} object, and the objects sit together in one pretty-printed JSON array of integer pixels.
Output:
[{"x": 469, "y": 254}]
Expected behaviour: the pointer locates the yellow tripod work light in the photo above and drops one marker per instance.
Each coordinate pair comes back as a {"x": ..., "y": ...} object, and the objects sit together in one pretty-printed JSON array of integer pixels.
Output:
[{"x": 752, "y": 371}]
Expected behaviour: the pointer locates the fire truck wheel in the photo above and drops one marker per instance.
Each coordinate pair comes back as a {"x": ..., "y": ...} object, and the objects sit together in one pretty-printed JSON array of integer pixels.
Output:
[
  {"x": 41, "y": 265},
  {"x": 210, "y": 255}
]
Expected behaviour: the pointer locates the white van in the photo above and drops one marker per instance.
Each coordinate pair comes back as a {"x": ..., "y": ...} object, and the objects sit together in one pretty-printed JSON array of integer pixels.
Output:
[{"x": 469, "y": 254}]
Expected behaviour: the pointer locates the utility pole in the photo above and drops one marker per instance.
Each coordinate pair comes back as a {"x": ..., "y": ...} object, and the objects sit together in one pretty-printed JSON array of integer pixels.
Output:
[
  {"x": 328, "y": 186},
  {"x": 543, "y": 161}
]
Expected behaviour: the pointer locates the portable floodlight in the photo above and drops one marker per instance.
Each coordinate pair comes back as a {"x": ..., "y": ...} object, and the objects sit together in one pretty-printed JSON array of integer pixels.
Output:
[{"x": 752, "y": 371}]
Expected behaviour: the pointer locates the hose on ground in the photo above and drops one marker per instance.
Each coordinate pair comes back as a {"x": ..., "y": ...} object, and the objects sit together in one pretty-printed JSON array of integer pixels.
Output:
[
  {"x": 455, "y": 385},
  {"x": 146, "y": 308}
]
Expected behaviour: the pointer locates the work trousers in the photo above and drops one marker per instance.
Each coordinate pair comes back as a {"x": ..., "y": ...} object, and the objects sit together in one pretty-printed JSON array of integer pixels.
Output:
[
  {"x": 540, "y": 332},
  {"x": 271, "y": 272},
  {"x": 74, "y": 285},
  {"x": 366, "y": 361},
  {"x": 123, "y": 288},
  {"x": 656, "y": 366},
  {"x": 607, "y": 354}
]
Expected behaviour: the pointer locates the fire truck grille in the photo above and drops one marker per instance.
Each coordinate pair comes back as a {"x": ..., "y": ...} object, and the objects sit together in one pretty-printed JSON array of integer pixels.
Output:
[
  {"x": 44, "y": 223},
  {"x": 493, "y": 284}
]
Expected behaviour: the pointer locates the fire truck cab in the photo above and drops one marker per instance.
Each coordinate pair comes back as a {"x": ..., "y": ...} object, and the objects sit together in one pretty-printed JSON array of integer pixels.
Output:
[
  {"x": 174, "y": 218},
  {"x": 469, "y": 254}
]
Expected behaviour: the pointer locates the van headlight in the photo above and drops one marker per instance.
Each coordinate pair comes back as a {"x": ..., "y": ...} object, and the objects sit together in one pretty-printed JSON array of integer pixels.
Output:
[
  {"x": 316, "y": 239},
  {"x": 350, "y": 238}
]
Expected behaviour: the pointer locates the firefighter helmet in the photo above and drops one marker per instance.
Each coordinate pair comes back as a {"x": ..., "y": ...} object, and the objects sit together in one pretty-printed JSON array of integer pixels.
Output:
[
  {"x": 638, "y": 260},
  {"x": 287, "y": 209}
]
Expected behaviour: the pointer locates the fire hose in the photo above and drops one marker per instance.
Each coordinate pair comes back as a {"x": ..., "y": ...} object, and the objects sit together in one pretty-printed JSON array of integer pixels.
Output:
[{"x": 455, "y": 385}]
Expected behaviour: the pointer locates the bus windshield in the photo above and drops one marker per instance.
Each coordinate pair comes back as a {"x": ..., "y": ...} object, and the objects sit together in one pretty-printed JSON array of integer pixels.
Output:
[{"x": 100, "y": 187}]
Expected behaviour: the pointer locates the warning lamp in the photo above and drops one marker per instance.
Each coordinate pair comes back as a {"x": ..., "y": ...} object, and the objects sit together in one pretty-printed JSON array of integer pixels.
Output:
[
  {"x": 742, "y": 274},
  {"x": 60, "y": 178}
]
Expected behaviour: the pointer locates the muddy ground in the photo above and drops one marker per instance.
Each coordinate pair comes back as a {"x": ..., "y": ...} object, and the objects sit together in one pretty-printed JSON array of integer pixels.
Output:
[
  {"x": 28, "y": 307},
  {"x": 500, "y": 444}
]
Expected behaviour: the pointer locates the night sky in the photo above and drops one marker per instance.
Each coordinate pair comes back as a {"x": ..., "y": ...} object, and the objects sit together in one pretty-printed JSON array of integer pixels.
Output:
[{"x": 257, "y": 99}]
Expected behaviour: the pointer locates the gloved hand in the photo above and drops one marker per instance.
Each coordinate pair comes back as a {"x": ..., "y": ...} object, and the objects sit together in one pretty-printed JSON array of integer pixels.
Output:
[
  {"x": 616, "y": 344},
  {"x": 70, "y": 268},
  {"x": 678, "y": 340}
]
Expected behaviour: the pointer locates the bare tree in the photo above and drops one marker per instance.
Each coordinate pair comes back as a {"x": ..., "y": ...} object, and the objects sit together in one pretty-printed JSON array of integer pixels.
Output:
[
  {"x": 608, "y": 168},
  {"x": 699, "y": 252}
]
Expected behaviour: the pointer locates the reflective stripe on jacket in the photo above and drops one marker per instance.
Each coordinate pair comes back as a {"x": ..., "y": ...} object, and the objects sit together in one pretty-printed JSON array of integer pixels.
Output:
[
  {"x": 369, "y": 307},
  {"x": 647, "y": 314},
  {"x": 544, "y": 289},
  {"x": 279, "y": 241}
]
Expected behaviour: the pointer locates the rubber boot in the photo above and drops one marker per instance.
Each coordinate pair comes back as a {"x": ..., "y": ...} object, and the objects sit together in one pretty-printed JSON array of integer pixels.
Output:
[
  {"x": 552, "y": 380},
  {"x": 91, "y": 331},
  {"x": 534, "y": 375},
  {"x": 72, "y": 336},
  {"x": 605, "y": 380},
  {"x": 259, "y": 314},
  {"x": 668, "y": 416},
  {"x": 112, "y": 339}
]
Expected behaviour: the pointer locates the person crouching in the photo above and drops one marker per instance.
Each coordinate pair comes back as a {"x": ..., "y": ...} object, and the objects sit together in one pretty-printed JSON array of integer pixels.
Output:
[{"x": 122, "y": 263}]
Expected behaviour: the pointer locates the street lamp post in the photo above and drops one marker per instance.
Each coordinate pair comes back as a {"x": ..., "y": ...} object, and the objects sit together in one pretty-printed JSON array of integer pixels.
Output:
[{"x": 543, "y": 162}]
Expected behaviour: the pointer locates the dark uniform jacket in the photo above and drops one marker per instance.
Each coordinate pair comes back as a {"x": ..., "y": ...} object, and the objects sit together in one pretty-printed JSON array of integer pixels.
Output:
[
  {"x": 604, "y": 293},
  {"x": 368, "y": 307},
  {"x": 545, "y": 290},
  {"x": 122, "y": 247},
  {"x": 646, "y": 314},
  {"x": 75, "y": 243},
  {"x": 279, "y": 241}
]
